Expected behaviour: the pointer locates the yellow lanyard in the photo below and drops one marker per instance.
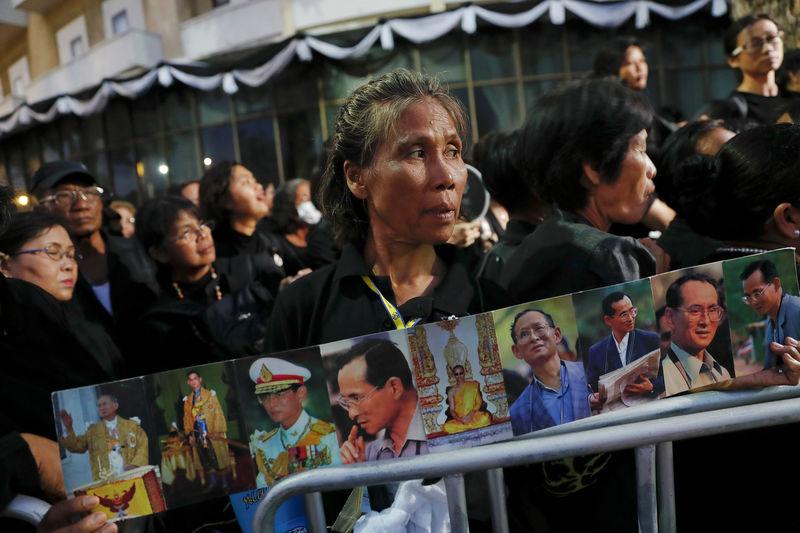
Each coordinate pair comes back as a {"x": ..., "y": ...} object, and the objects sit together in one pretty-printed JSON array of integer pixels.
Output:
[{"x": 394, "y": 314}]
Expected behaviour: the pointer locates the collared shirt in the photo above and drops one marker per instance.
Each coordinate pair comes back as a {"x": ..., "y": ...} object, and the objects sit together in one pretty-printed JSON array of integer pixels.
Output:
[
  {"x": 111, "y": 425},
  {"x": 414, "y": 444},
  {"x": 293, "y": 435},
  {"x": 699, "y": 372},
  {"x": 622, "y": 346},
  {"x": 557, "y": 402},
  {"x": 786, "y": 325}
]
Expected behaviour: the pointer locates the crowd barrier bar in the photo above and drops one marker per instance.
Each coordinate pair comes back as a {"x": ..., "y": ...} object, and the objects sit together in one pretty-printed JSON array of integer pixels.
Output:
[{"x": 693, "y": 415}]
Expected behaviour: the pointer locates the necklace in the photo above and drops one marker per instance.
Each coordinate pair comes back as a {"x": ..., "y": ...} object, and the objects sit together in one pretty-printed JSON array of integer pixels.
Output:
[
  {"x": 305, "y": 430},
  {"x": 217, "y": 289}
]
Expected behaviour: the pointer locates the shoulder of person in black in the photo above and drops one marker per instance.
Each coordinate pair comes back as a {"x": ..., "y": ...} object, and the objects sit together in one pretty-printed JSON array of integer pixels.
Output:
[
  {"x": 322, "y": 248},
  {"x": 334, "y": 303}
]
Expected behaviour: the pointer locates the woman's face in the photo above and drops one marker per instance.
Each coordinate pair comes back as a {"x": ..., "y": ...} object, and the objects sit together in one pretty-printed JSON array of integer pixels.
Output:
[
  {"x": 188, "y": 247},
  {"x": 755, "y": 61},
  {"x": 626, "y": 200},
  {"x": 246, "y": 197},
  {"x": 302, "y": 194},
  {"x": 127, "y": 221},
  {"x": 634, "y": 68},
  {"x": 56, "y": 276},
  {"x": 414, "y": 184}
]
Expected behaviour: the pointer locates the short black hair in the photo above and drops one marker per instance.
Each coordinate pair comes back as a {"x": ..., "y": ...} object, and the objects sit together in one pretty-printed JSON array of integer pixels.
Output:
[
  {"x": 384, "y": 360},
  {"x": 731, "y": 39},
  {"x": 585, "y": 122},
  {"x": 523, "y": 313},
  {"x": 193, "y": 371},
  {"x": 496, "y": 159},
  {"x": 176, "y": 189},
  {"x": 767, "y": 268},
  {"x": 26, "y": 226},
  {"x": 155, "y": 217},
  {"x": 7, "y": 208},
  {"x": 112, "y": 397},
  {"x": 611, "y": 55},
  {"x": 674, "y": 295},
  {"x": 214, "y": 186},
  {"x": 610, "y": 300}
]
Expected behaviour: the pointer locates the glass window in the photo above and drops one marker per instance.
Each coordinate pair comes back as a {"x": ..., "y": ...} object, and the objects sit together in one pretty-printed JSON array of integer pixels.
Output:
[
  {"x": 252, "y": 99},
  {"x": 118, "y": 122},
  {"x": 213, "y": 106},
  {"x": 444, "y": 57},
  {"x": 583, "y": 40},
  {"x": 721, "y": 82},
  {"x": 177, "y": 108},
  {"x": 257, "y": 146},
  {"x": 540, "y": 49},
  {"x": 497, "y": 108},
  {"x": 98, "y": 166},
  {"x": 123, "y": 174},
  {"x": 683, "y": 44},
  {"x": 491, "y": 55},
  {"x": 30, "y": 152},
  {"x": 689, "y": 101},
  {"x": 16, "y": 174},
  {"x": 145, "y": 114},
  {"x": 148, "y": 161},
  {"x": 182, "y": 163},
  {"x": 70, "y": 128},
  {"x": 217, "y": 143},
  {"x": 51, "y": 143},
  {"x": 93, "y": 138},
  {"x": 338, "y": 83},
  {"x": 297, "y": 88},
  {"x": 534, "y": 90},
  {"x": 462, "y": 96},
  {"x": 301, "y": 143}
]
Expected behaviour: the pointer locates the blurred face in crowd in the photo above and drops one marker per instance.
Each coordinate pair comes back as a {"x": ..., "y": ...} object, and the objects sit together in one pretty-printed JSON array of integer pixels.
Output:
[
  {"x": 188, "y": 248},
  {"x": 626, "y": 200},
  {"x": 47, "y": 261},
  {"x": 127, "y": 221},
  {"x": 192, "y": 192},
  {"x": 84, "y": 212},
  {"x": 302, "y": 194},
  {"x": 694, "y": 333},
  {"x": 246, "y": 198},
  {"x": 633, "y": 70},
  {"x": 284, "y": 407},
  {"x": 762, "y": 295},
  {"x": 624, "y": 318},
  {"x": 413, "y": 185},
  {"x": 762, "y": 52}
]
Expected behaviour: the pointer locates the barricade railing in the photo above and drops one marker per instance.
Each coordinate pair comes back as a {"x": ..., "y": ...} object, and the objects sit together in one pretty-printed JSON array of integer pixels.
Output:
[{"x": 642, "y": 428}]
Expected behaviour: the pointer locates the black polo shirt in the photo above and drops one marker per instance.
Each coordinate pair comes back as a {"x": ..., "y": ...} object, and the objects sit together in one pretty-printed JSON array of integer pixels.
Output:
[{"x": 334, "y": 303}]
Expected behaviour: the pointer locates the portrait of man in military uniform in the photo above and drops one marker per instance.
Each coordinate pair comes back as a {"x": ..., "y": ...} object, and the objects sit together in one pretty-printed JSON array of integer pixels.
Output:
[
  {"x": 205, "y": 425},
  {"x": 299, "y": 441}
]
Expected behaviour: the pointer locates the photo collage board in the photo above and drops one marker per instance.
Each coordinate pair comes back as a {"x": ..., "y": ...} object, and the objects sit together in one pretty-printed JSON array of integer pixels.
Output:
[{"x": 161, "y": 441}]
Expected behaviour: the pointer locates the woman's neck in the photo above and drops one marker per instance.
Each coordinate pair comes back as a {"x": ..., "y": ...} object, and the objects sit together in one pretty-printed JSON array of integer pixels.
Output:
[
  {"x": 594, "y": 215},
  {"x": 246, "y": 225},
  {"x": 189, "y": 275},
  {"x": 763, "y": 84},
  {"x": 414, "y": 269}
]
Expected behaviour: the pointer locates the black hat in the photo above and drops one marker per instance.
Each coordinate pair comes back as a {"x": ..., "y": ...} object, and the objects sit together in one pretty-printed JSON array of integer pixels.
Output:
[{"x": 49, "y": 174}]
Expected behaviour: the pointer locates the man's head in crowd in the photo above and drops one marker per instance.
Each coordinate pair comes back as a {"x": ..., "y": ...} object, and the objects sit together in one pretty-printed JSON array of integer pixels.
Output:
[
  {"x": 693, "y": 312},
  {"x": 619, "y": 313},
  {"x": 762, "y": 287},
  {"x": 536, "y": 337},
  {"x": 67, "y": 189},
  {"x": 376, "y": 385}
]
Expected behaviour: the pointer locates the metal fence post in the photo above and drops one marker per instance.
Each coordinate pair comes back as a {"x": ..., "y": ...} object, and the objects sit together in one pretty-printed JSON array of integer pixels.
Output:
[
  {"x": 646, "y": 488},
  {"x": 497, "y": 500},
  {"x": 666, "y": 488},
  {"x": 315, "y": 512},
  {"x": 457, "y": 503}
]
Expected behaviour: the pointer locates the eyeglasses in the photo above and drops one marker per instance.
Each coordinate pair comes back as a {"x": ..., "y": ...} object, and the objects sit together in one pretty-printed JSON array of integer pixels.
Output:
[
  {"x": 756, "y": 294},
  {"x": 348, "y": 402},
  {"x": 538, "y": 331},
  {"x": 56, "y": 253},
  {"x": 695, "y": 312},
  {"x": 458, "y": 373},
  {"x": 196, "y": 232},
  {"x": 633, "y": 311},
  {"x": 756, "y": 44},
  {"x": 67, "y": 198}
]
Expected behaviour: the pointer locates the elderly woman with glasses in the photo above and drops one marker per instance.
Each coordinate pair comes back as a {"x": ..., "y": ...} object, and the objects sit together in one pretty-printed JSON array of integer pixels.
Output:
[
  {"x": 754, "y": 46},
  {"x": 210, "y": 309}
]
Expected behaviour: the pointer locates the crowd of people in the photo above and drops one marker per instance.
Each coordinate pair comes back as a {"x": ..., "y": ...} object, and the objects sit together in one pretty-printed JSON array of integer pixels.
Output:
[{"x": 94, "y": 291}]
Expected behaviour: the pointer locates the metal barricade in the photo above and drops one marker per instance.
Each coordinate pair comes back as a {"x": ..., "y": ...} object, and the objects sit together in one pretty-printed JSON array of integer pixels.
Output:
[{"x": 642, "y": 428}]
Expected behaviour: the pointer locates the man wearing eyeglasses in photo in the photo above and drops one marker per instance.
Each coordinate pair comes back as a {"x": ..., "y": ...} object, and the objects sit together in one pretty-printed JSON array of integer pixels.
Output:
[
  {"x": 763, "y": 293},
  {"x": 624, "y": 345},
  {"x": 117, "y": 279},
  {"x": 377, "y": 391},
  {"x": 693, "y": 315},
  {"x": 558, "y": 392},
  {"x": 300, "y": 441}
]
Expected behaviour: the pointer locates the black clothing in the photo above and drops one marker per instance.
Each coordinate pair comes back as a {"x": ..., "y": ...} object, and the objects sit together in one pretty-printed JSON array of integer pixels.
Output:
[
  {"x": 762, "y": 109},
  {"x": 322, "y": 247},
  {"x": 200, "y": 328},
  {"x": 491, "y": 266},
  {"x": 133, "y": 288},
  {"x": 566, "y": 254},
  {"x": 264, "y": 246},
  {"x": 685, "y": 246},
  {"x": 334, "y": 303}
]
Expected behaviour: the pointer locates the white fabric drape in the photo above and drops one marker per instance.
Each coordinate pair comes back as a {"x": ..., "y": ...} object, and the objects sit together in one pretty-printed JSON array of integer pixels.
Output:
[{"x": 417, "y": 30}]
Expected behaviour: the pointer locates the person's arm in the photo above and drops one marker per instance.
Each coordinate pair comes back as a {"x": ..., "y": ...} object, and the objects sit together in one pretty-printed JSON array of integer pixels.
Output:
[
  {"x": 140, "y": 458},
  {"x": 786, "y": 374},
  {"x": 19, "y": 472},
  {"x": 72, "y": 442},
  {"x": 658, "y": 215}
]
